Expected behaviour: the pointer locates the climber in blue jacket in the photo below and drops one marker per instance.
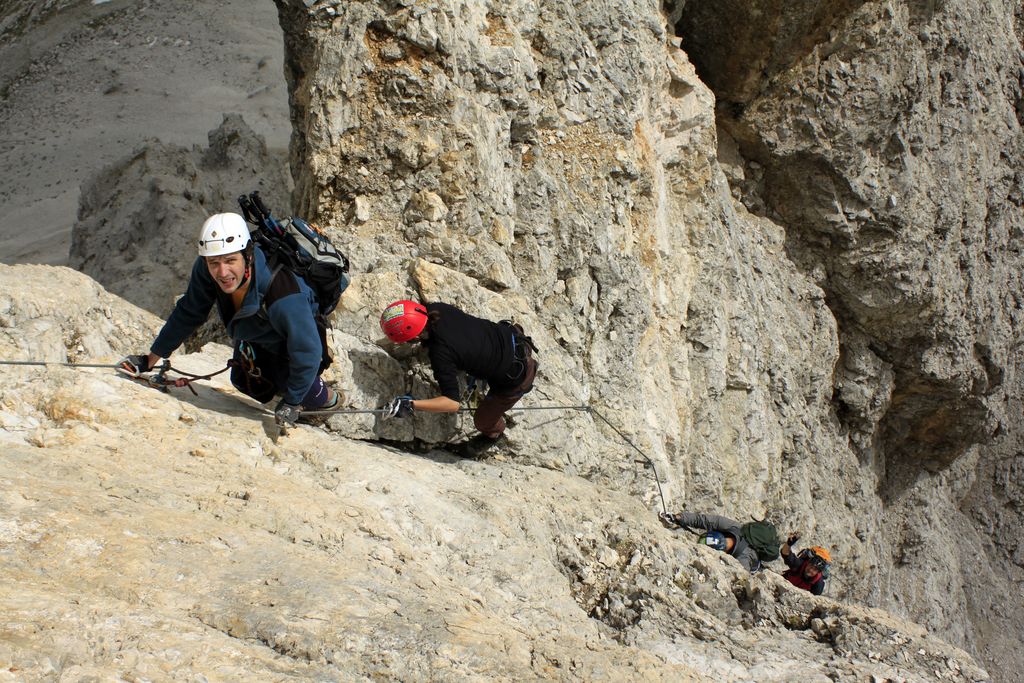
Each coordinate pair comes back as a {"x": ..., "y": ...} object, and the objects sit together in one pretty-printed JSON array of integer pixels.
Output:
[{"x": 279, "y": 349}]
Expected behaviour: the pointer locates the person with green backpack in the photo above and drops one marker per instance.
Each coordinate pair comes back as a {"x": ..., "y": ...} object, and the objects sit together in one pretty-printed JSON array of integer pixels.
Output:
[{"x": 751, "y": 543}]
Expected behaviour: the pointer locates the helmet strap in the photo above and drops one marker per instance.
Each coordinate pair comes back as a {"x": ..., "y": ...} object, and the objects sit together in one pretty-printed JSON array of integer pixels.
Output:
[{"x": 249, "y": 257}]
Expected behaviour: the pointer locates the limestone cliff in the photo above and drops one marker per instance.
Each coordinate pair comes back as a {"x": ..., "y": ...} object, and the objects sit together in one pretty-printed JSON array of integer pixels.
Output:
[
  {"x": 804, "y": 300},
  {"x": 171, "y": 536},
  {"x": 886, "y": 138},
  {"x": 776, "y": 244}
]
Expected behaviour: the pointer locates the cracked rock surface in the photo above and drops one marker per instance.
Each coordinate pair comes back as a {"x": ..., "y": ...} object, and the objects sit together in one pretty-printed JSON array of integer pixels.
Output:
[
  {"x": 776, "y": 245},
  {"x": 168, "y": 536}
]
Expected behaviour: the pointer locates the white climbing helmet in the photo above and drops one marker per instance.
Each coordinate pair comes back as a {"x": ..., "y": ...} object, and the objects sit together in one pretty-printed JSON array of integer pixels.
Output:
[{"x": 223, "y": 233}]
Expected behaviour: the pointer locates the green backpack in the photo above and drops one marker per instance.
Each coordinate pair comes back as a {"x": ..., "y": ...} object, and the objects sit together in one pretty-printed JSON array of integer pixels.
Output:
[{"x": 763, "y": 538}]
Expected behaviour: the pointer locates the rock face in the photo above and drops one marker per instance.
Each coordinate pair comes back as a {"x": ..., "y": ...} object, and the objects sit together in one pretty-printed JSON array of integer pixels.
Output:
[
  {"x": 138, "y": 218},
  {"x": 561, "y": 167},
  {"x": 857, "y": 140},
  {"x": 887, "y": 140},
  {"x": 177, "y": 536},
  {"x": 802, "y": 301},
  {"x": 776, "y": 246}
]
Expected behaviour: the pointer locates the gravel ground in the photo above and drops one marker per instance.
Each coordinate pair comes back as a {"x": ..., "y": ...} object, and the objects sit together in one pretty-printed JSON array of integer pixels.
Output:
[{"x": 84, "y": 83}]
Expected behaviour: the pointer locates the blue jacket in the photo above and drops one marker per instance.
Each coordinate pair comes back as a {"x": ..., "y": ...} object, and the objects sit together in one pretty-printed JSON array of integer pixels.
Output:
[{"x": 288, "y": 329}]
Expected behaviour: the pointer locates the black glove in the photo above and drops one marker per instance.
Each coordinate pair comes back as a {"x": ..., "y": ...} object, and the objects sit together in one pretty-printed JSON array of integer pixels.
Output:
[
  {"x": 667, "y": 519},
  {"x": 134, "y": 365},
  {"x": 793, "y": 538},
  {"x": 286, "y": 414},
  {"x": 399, "y": 407}
]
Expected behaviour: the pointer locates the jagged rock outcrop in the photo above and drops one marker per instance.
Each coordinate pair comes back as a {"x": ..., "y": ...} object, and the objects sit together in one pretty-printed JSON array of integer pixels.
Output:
[
  {"x": 138, "y": 218},
  {"x": 887, "y": 139},
  {"x": 803, "y": 302},
  {"x": 170, "y": 535},
  {"x": 84, "y": 84},
  {"x": 561, "y": 166}
]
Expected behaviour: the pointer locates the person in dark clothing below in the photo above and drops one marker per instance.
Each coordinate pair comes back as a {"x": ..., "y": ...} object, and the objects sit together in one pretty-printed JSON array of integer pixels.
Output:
[
  {"x": 749, "y": 543},
  {"x": 499, "y": 353},
  {"x": 808, "y": 569},
  {"x": 270, "y": 315}
]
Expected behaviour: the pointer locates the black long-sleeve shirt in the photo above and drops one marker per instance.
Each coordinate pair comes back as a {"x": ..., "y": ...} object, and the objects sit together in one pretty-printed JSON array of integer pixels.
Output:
[{"x": 462, "y": 342}]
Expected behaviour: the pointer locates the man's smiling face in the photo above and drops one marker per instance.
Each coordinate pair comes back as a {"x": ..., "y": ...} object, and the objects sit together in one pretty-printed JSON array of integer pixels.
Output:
[{"x": 228, "y": 271}]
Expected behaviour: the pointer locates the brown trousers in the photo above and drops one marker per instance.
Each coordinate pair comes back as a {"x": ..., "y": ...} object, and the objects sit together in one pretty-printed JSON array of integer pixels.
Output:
[{"x": 489, "y": 417}]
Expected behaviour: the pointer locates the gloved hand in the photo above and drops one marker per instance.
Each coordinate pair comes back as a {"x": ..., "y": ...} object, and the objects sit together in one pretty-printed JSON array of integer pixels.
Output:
[
  {"x": 134, "y": 366},
  {"x": 793, "y": 538},
  {"x": 399, "y": 407},
  {"x": 286, "y": 414},
  {"x": 667, "y": 519}
]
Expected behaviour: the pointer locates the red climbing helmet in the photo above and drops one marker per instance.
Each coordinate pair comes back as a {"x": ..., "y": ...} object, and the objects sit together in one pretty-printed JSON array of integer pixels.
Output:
[{"x": 403, "y": 320}]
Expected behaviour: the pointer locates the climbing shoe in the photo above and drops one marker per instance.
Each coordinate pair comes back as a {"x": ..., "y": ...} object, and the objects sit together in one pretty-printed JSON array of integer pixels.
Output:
[
  {"x": 336, "y": 397},
  {"x": 480, "y": 446},
  {"x": 334, "y": 401}
]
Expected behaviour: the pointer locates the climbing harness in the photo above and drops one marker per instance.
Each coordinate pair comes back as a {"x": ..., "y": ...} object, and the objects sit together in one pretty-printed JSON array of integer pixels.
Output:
[
  {"x": 476, "y": 389},
  {"x": 713, "y": 539},
  {"x": 245, "y": 360},
  {"x": 522, "y": 348}
]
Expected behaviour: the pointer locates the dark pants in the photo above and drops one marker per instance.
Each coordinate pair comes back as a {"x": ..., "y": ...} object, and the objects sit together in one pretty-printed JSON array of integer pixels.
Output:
[
  {"x": 489, "y": 417},
  {"x": 261, "y": 375}
]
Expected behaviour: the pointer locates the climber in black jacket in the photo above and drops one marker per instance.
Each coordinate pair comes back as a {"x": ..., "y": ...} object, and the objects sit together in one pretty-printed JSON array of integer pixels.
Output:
[{"x": 499, "y": 353}]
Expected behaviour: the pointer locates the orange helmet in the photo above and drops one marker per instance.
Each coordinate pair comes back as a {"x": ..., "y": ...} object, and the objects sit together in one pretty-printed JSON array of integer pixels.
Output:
[
  {"x": 403, "y": 320},
  {"x": 821, "y": 552}
]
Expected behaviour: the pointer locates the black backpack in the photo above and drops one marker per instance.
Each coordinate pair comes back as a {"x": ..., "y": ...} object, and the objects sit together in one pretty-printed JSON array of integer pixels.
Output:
[{"x": 299, "y": 247}]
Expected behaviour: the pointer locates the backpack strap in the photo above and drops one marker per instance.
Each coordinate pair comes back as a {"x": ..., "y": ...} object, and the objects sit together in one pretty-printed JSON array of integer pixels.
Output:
[
  {"x": 519, "y": 337},
  {"x": 281, "y": 287},
  {"x": 278, "y": 288}
]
